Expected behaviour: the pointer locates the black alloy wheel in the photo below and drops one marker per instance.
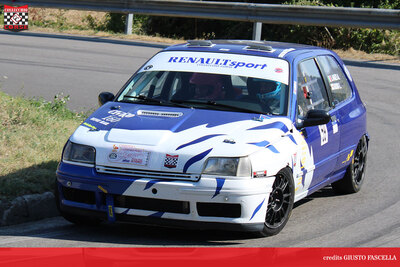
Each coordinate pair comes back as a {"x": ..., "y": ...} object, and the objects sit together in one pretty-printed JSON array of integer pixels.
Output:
[
  {"x": 355, "y": 174},
  {"x": 280, "y": 203},
  {"x": 360, "y": 161}
]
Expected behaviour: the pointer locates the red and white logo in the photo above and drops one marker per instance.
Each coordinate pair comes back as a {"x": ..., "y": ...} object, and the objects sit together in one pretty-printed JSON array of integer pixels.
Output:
[
  {"x": 16, "y": 18},
  {"x": 171, "y": 161}
]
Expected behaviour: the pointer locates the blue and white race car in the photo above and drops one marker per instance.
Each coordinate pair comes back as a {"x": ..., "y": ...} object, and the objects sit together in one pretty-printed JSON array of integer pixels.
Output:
[{"x": 217, "y": 135}]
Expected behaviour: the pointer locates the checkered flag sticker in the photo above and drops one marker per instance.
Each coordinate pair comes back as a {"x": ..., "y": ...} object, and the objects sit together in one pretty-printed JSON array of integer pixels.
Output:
[
  {"x": 171, "y": 161},
  {"x": 16, "y": 18}
]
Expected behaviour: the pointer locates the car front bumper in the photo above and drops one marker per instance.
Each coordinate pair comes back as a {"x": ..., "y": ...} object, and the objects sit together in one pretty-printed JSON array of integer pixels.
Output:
[{"x": 209, "y": 203}]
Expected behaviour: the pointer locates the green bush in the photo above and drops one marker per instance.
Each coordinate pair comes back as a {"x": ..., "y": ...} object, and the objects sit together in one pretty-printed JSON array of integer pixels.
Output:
[{"x": 115, "y": 22}]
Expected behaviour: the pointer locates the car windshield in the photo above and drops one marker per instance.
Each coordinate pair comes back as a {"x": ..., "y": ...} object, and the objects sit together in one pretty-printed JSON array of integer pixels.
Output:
[{"x": 212, "y": 81}]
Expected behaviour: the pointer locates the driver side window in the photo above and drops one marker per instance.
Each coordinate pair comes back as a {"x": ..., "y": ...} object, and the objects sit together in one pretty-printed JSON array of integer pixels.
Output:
[{"x": 311, "y": 92}]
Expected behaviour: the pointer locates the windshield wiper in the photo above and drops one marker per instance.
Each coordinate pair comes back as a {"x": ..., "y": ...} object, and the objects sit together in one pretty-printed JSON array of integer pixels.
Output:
[
  {"x": 158, "y": 101},
  {"x": 145, "y": 98},
  {"x": 213, "y": 103}
]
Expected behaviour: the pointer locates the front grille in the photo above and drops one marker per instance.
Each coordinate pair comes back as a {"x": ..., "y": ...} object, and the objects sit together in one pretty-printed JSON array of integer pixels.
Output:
[
  {"x": 140, "y": 203},
  {"x": 219, "y": 210},
  {"x": 153, "y": 204},
  {"x": 77, "y": 195},
  {"x": 148, "y": 174}
]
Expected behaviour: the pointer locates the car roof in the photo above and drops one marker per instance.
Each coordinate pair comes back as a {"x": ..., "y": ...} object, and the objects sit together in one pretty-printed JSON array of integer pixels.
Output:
[{"x": 247, "y": 47}]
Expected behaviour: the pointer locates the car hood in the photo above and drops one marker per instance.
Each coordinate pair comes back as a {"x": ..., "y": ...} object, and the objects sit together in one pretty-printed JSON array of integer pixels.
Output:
[{"x": 175, "y": 139}]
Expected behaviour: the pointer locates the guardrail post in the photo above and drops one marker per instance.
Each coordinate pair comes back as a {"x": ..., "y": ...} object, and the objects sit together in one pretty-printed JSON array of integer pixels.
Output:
[
  {"x": 257, "y": 26},
  {"x": 128, "y": 23}
]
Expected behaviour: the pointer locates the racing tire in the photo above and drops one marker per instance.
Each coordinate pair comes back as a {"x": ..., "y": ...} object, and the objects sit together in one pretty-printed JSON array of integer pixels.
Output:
[
  {"x": 355, "y": 173},
  {"x": 280, "y": 203}
]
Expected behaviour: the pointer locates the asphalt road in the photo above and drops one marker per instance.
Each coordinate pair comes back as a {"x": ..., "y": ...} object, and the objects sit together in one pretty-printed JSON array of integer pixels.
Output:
[{"x": 44, "y": 65}]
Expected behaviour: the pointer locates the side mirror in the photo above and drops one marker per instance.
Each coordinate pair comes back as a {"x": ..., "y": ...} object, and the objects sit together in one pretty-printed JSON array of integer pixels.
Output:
[
  {"x": 315, "y": 118},
  {"x": 105, "y": 97}
]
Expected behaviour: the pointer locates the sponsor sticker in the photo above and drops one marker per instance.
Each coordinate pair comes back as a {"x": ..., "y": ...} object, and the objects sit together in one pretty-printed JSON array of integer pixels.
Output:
[
  {"x": 129, "y": 154},
  {"x": 349, "y": 156},
  {"x": 336, "y": 86},
  {"x": 216, "y": 62},
  {"x": 262, "y": 117},
  {"x": 110, "y": 211},
  {"x": 99, "y": 121},
  {"x": 335, "y": 127},
  {"x": 15, "y": 18},
  {"x": 113, "y": 117},
  {"x": 113, "y": 156},
  {"x": 171, "y": 161},
  {"x": 121, "y": 114},
  {"x": 334, "y": 77},
  {"x": 260, "y": 174}
]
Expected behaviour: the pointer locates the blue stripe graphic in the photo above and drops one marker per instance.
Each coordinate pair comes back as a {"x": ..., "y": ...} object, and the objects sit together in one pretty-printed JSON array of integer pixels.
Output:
[
  {"x": 195, "y": 159},
  {"x": 277, "y": 125},
  {"x": 273, "y": 149},
  {"x": 220, "y": 184},
  {"x": 260, "y": 144},
  {"x": 267, "y": 145},
  {"x": 125, "y": 212},
  {"x": 153, "y": 182},
  {"x": 257, "y": 209},
  {"x": 190, "y": 118},
  {"x": 292, "y": 138},
  {"x": 157, "y": 214},
  {"x": 201, "y": 139}
]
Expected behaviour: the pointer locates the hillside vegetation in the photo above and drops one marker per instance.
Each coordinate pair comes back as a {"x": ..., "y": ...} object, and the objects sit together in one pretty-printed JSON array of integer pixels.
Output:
[
  {"x": 367, "y": 40},
  {"x": 32, "y": 135},
  {"x": 154, "y": 28}
]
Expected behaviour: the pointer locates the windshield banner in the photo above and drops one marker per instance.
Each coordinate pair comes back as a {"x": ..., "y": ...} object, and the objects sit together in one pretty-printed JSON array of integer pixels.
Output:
[{"x": 228, "y": 64}]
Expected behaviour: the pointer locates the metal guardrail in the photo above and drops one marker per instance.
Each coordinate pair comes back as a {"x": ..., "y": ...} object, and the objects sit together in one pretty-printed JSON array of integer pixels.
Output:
[{"x": 265, "y": 13}]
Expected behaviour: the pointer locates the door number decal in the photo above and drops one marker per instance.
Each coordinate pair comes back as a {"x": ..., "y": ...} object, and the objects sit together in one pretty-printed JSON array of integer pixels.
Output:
[{"x": 323, "y": 131}]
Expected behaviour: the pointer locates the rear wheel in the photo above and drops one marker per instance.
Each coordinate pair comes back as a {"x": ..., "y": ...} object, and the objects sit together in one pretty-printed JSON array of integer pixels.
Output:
[
  {"x": 354, "y": 177},
  {"x": 280, "y": 203}
]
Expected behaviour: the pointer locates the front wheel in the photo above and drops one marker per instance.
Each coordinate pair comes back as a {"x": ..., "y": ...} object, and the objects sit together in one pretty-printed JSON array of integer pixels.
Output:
[
  {"x": 354, "y": 177},
  {"x": 280, "y": 203}
]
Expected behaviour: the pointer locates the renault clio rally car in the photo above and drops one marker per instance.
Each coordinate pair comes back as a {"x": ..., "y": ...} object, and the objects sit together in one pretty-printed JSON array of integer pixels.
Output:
[{"x": 217, "y": 135}]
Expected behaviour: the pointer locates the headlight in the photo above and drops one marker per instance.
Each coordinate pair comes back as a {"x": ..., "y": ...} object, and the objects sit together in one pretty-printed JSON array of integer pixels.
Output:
[
  {"x": 228, "y": 167},
  {"x": 79, "y": 153}
]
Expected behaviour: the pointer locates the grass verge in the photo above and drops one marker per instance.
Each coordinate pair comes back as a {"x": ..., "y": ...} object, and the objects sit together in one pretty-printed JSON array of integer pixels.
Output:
[{"x": 32, "y": 135}]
